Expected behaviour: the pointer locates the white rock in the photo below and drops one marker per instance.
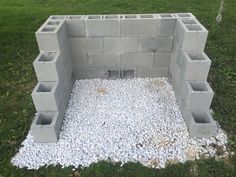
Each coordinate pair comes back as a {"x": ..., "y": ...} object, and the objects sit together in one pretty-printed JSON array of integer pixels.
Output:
[{"x": 124, "y": 120}]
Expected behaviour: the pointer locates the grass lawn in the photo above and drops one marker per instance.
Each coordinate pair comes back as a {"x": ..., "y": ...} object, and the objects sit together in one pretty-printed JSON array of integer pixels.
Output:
[{"x": 19, "y": 19}]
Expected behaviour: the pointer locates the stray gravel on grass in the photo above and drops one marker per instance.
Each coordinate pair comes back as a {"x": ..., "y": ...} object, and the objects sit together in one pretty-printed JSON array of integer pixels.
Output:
[{"x": 121, "y": 120}]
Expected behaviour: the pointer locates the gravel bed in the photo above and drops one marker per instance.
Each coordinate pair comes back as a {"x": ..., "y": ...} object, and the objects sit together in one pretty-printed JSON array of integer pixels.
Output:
[{"x": 121, "y": 120}]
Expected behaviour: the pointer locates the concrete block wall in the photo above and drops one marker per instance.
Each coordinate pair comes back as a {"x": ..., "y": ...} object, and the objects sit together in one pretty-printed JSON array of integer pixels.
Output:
[
  {"x": 189, "y": 68},
  {"x": 54, "y": 70},
  {"x": 137, "y": 43},
  {"x": 121, "y": 46}
]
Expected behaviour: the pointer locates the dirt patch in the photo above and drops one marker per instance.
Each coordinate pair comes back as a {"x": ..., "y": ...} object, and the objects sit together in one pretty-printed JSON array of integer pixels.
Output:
[
  {"x": 172, "y": 161},
  {"x": 191, "y": 153},
  {"x": 102, "y": 90},
  {"x": 158, "y": 83}
]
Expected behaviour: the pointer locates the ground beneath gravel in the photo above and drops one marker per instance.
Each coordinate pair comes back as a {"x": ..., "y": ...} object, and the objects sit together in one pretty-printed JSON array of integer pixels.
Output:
[{"x": 121, "y": 120}]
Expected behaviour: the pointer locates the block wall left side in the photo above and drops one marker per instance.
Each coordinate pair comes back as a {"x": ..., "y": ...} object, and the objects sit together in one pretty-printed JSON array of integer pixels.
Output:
[{"x": 54, "y": 70}]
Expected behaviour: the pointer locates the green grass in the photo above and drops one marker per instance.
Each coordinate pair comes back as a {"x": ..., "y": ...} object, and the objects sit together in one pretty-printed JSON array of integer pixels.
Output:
[{"x": 19, "y": 19}]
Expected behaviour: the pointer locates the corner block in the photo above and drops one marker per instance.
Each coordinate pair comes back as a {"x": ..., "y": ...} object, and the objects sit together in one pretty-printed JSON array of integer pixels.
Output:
[
  {"x": 52, "y": 37},
  {"x": 191, "y": 35}
]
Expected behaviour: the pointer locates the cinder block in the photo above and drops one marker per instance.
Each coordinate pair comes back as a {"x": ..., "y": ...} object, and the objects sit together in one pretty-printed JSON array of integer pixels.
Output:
[
  {"x": 155, "y": 44},
  {"x": 46, "y": 126},
  {"x": 152, "y": 72},
  {"x": 200, "y": 124},
  {"x": 67, "y": 75},
  {"x": 102, "y": 26},
  {"x": 52, "y": 37},
  {"x": 166, "y": 24},
  {"x": 183, "y": 109},
  {"x": 191, "y": 37},
  {"x": 189, "y": 21},
  {"x": 47, "y": 96},
  {"x": 104, "y": 60},
  {"x": 96, "y": 73},
  {"x": 176, "y": 76},
  {"x": 174, "y": 54},
  {"x": 75, "y": 26},
  {"x": 176, "y": 89},
  {"x": 53, "y": 23},
  {"x": 197, "y": 95},
  {"x": 67, "y": 92},
  {"x": 90, "y": 73},
  {"x": 85, "y": 45},
  {"x": 137, "y": 59},
  {"x": 80, "y": 73},
  {"x": 166, "y": 15},
  {"x": 162, "y": 59},
  {"x": 80, "y": 60},
  {"x": 138, "y": 25},
  {"x": 194, "y": 65},
  {"x": 49, "y": 66},
  {"x": 179, "y": 59},
  {"x": 57, "y": 17},
  {"x": 184, "y": 15},
  {"x": 120, "y": 44}
]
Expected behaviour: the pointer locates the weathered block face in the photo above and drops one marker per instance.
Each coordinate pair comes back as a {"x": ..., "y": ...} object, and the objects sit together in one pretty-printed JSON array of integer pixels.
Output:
[{"x": 124, "y": 46}]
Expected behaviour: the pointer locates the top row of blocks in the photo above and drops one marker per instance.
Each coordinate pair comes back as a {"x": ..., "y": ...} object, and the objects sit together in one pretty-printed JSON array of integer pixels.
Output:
[
  {"x": 122, "y": 16},
  {"x": 115, "y": 25}
]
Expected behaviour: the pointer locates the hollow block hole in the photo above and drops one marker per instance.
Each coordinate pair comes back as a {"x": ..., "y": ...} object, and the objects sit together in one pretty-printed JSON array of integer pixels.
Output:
[
  {"x": 111, "y": 17},
  {"x": 193, "y": 28},
  {"x": 58, "y": 17},
  {"x": 75, "y": 17},
  {"x": 130, "y": 16},
  {"x": 53, "y": 23},
  {"x": 198, "y": 86},
  {"x": 48, "y": 29},
  {"x": 94, "y": 17},
  {"x": 196, "y": 56},
  {"x": 146, "y": 16},
  {"x": 201, "y": 117},
  {"x": 48, "y": 56},
  {"x": 184, "y": 15},
  {"x": 44, "y": 119},
  {"x": 165, "y": 15},
  {"x": 45, "y": 87},
  {"x": 189, "y": 22}
]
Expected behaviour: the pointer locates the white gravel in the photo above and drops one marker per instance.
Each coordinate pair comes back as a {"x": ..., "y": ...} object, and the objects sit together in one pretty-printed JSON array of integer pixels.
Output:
[{"x": 121, "y": 120}]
